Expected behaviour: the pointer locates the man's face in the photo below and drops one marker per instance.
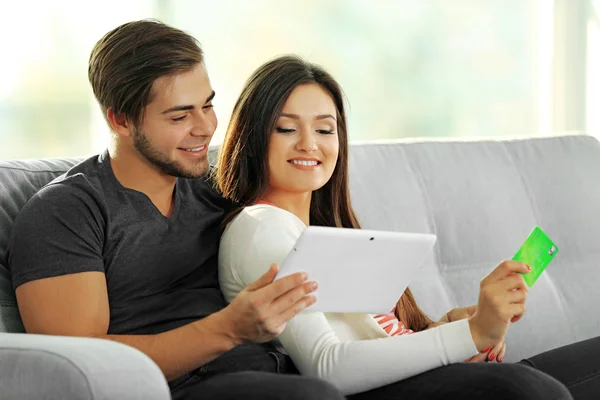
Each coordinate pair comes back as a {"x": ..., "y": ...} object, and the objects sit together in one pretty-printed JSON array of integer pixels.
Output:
[{"x": 178, "y": 124}]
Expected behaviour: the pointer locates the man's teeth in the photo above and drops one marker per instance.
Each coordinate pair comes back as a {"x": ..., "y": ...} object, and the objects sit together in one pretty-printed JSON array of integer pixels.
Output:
[
  {"x": 195, "y": 149},
  {"x": 306, "y": 163}
]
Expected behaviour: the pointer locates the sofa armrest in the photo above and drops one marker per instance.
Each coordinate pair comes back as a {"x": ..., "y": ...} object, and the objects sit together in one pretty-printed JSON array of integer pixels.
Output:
[{"x": 69, "y": 368}]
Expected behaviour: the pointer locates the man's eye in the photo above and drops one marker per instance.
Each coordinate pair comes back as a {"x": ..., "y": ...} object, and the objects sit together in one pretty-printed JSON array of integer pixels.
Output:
[
  {"x": 178, "y": 119},
  {"x": 206, "y": 107},
  {"x": 284, "y": 130}
]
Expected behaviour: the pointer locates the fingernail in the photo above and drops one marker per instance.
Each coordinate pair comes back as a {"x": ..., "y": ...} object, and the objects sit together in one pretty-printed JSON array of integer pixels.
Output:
[
  {"x": 304, "y": 276},
  {"x": 500, "y": 359},
  {"x": 314, "y": 285},
  {"x": 528, "y": 267},
  {"x": 491, "y": 357},
  {"x": 486, "y": 350}
]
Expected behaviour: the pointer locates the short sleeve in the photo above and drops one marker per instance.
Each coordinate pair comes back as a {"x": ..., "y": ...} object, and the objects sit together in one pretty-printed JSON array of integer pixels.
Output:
[{"x": 59, "y": 231}]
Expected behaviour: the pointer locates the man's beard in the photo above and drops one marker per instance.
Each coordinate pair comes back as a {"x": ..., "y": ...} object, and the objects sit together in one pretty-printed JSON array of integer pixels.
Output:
[{"x": 162, "y": 162}]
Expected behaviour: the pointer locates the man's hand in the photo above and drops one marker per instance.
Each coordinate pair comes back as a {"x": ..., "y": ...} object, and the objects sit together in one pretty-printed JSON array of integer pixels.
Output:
[
  {"x": 260, "y": 312},
  {"x": 435, "y": 324},
  {"x": 457, "y": 314}
]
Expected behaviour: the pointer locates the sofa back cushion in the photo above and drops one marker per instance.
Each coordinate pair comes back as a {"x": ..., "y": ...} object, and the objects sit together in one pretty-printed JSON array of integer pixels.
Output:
[
  {"x": 482, "y": 199},
  {"x": 19, "y": 180}
]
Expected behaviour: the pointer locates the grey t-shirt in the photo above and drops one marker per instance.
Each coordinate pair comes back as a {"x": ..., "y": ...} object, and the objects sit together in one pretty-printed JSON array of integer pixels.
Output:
[{"x": 161, "y": 273}]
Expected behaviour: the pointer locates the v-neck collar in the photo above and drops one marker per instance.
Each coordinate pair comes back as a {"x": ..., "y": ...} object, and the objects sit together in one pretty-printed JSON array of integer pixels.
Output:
[{"x": 104, "y": 159}]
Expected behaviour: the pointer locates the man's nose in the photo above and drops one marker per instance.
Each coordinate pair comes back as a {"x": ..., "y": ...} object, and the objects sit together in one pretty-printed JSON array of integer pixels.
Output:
[{"x": 203, "y": 126}]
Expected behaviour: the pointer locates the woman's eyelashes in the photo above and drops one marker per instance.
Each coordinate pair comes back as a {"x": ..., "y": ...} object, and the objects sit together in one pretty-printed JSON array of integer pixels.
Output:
[
  {"x": 284, "y": 130},
  {"x": 292, "y": 130},
  {"x": 325, "y": 131}
]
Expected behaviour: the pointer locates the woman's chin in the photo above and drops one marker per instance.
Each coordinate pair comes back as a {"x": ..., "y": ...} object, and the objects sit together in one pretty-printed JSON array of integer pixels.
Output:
[{"x": 309, "y": 188}]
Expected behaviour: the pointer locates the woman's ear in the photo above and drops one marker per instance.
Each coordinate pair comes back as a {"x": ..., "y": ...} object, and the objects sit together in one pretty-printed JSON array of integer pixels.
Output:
[{"x": 119, "y": 123}]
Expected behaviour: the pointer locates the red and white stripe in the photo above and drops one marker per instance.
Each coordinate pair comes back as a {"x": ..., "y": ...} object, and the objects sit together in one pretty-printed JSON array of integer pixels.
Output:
[{"x": 391, "y": 325}]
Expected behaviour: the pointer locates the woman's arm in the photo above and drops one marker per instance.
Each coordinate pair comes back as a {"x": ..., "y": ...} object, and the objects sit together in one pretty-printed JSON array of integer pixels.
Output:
[
  {"x": 367, "y": 364},
  {"x": 355, "y": 366}
]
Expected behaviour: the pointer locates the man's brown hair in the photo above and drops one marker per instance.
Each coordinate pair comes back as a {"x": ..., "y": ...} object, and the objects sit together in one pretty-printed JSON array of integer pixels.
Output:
[{"x": 127, "y": 60}]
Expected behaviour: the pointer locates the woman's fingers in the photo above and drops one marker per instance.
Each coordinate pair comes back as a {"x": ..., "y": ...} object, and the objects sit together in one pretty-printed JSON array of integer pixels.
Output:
[
  {"x": 481, "y": 357},
  {"x": 500, "y": 356},
  {"x": 507, "y": 268},
  {"x": 494, "y": 352}
]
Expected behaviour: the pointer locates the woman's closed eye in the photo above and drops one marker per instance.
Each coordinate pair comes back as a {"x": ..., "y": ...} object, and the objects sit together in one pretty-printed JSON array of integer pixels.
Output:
[
  {"x": 285, "y": 130},
  {"x": 291, "y": 130},
  {"x": 325, "y": 131}
]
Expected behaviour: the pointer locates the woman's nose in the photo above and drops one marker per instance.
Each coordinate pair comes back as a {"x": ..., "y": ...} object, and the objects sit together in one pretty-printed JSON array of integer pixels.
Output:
[{"x": 307, "y": 142}]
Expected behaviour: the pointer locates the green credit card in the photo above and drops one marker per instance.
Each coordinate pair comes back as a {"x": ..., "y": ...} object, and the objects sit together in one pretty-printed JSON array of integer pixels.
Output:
[{"x": 537, "y": 251}]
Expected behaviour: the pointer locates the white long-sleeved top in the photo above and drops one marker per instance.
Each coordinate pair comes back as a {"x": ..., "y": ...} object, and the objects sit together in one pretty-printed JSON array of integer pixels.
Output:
[{"x": 349, "y": 350}]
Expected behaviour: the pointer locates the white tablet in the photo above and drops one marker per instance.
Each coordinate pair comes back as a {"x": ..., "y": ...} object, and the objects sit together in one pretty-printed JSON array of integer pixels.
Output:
[{"x": 358, "y": 270}]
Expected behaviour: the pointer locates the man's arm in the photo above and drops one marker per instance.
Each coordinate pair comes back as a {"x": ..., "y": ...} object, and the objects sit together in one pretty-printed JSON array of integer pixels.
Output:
[{"x": 77, "y": 305}]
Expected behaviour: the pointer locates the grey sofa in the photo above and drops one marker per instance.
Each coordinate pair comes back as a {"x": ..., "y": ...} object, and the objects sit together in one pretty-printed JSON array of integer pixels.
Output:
[{"x": 480, "y": 198}]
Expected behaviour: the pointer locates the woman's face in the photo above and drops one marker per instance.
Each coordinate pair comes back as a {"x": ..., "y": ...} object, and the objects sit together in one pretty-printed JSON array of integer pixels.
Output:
[{"x": 304, "y": 146}]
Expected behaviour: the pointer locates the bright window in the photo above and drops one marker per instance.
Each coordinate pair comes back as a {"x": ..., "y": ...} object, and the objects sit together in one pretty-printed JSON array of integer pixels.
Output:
[{"x": 427, "y": 68}]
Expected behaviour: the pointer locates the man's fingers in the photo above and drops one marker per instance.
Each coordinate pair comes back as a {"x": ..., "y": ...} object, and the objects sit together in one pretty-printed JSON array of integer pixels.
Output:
[
  {"x": 296, "y": 308},
  {"x": 264, "y": 280},
  {"x": 290, "y": 298},
  {"x": 282, "y": 286}
]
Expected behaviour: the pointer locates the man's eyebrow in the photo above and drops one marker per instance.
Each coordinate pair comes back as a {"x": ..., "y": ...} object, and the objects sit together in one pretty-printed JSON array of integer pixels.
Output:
[
  {"x": 295, "y": 116},
  {"x": 188, "y": 107},
  {"x": 209, "y": 98},
  {"x": 178, "y": 108}
]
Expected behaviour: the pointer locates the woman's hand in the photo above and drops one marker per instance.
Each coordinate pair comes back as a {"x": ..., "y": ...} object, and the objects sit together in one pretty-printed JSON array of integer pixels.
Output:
[
  {"x": 502, "y": 298},
  {"x": 490, "y": 354},
  {"x": 497, "y": 352}
]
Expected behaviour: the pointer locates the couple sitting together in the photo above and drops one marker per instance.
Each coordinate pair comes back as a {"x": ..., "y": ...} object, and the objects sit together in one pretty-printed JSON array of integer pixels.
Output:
[{"x": 146, "y": 245}]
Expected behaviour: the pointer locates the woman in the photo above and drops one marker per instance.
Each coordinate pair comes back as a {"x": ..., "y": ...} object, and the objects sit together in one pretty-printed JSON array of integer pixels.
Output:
[{"x": 285, "y": 161}]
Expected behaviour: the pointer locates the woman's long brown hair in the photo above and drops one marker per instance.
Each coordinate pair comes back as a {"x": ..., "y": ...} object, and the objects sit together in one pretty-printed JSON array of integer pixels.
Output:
[{"x": 242, "y": 174}]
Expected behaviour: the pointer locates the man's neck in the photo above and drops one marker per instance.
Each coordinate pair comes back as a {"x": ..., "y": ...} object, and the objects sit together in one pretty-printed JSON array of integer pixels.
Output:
[
  {"x": 296, "y": 203},
  {"x": 134, "y": 172}
]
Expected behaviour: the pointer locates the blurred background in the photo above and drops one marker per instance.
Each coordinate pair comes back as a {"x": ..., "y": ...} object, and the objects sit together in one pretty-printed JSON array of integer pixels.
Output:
[{"x": 426, "y": 68}]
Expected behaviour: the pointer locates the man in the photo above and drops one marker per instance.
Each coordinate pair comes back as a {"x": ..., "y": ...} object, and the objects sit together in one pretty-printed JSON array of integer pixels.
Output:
[{"x": 124, "y": 246}]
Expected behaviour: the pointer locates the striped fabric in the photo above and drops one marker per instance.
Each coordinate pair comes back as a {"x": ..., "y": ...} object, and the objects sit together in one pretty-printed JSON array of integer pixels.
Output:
[{"x": 391, "y": 325}]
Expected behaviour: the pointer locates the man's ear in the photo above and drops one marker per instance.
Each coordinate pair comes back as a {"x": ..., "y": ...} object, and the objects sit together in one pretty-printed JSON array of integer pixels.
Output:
[{"x": 119, "y": 123}]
